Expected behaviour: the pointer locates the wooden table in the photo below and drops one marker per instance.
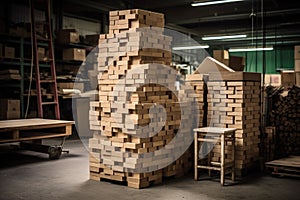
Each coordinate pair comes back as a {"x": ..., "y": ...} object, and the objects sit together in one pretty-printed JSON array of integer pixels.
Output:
[
  {"x": 34, "y": 130},
  {"x": 214, "y": 135}
]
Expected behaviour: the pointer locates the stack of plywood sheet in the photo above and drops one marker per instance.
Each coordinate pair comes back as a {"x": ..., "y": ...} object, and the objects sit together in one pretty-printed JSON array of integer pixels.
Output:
[
  {"x": 139, "y": 112},
  {"x": 234, "y": 102}
]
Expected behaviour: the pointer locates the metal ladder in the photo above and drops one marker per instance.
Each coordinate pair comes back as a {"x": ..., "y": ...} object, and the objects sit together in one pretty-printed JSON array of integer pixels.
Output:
[{"x": 45, "y": 5}]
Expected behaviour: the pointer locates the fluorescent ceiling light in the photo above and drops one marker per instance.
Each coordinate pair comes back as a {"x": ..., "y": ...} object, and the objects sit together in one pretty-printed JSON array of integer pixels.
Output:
[
  {"x": 206, "y": 3},
  {"x": 220, "y": 37},
  {"x": 191, "y": 47},
  {"x": 250, "y": 49}
]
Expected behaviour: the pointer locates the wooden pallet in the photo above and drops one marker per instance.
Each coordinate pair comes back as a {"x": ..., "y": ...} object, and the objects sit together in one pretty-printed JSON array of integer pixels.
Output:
[
  {"x": 289, "y": 166},
  {"x": 33, "y": 129}
]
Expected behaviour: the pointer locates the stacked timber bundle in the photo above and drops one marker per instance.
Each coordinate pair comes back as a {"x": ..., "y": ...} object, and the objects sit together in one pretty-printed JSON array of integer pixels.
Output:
[
  {"x": 139, "y": 112},
  {"x": 198, "y": 82},
  {"x": 268, "y": 143},
  {"x": 285, "y": 116},
  {"x": 234, "y": 102}
]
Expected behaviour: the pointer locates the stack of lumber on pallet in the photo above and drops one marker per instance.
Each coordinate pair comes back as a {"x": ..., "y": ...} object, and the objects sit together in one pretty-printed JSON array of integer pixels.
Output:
[
  {"x": 285, "y": 116},
  {"x": 268, "y": 143},
  {"x": 198, "y": 83},
  {"x": 289, "y": 166},
  {"x": 234, "y": 102},
  {"x": 137, "y": 94}
]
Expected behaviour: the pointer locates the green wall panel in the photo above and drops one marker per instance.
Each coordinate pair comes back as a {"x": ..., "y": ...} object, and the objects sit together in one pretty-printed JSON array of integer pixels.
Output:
[{"x": 282, "y": 58}]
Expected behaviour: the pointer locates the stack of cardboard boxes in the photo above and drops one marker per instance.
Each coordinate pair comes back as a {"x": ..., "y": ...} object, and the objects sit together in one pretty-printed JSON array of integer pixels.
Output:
[
  {"x": 9, "y": 109},
  {"x": 70, "y": 36},
  {"x": 236, "y": 63}
]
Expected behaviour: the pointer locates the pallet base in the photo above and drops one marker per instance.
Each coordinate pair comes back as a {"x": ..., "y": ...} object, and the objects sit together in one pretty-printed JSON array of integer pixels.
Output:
[
  {"x": 289, "y": 166},
  {"x": 133, "y": 183}
]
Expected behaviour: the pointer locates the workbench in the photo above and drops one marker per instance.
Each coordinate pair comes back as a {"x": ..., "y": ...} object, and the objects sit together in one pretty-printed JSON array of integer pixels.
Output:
[{"x": 34, "y": 130}]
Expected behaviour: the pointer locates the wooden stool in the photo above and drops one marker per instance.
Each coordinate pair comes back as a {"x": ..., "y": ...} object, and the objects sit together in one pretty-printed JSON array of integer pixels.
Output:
[{"x": 214, "y": 135}]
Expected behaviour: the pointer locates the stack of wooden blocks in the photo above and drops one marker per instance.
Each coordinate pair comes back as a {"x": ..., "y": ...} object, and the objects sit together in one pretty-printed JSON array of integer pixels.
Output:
[
  {"x": 123, "y": 20},
  {"x": 136, "y": 95},
  {"x": 234, "y": 102},
  {"x": 198, "y": 82}
]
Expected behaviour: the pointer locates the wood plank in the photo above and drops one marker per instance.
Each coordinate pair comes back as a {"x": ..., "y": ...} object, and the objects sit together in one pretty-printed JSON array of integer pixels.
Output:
[
  {"x": 31, "y": 123},
  {"x": 235, "y": 76},
  {"x": 214, "y": 130},
  {"x": 293, "y": 161}
]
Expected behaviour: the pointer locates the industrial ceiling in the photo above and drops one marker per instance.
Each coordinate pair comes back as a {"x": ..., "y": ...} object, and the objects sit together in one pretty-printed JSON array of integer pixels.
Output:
[{"x": 275, "y": 22}]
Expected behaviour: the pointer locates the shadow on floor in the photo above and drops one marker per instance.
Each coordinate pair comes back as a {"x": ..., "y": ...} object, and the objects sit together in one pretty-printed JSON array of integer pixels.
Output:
[{"x": 12, "y": 156}]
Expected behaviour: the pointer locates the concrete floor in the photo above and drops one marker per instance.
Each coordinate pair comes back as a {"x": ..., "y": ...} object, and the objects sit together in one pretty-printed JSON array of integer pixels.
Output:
[{"x": 30, "y": 175}]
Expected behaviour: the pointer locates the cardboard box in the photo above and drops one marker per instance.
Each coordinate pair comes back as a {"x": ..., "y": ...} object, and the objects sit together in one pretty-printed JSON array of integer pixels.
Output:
[
  {"x": 297, "y": 52},
  {"x": 237, "y": 63},
  {"x": 221, "y": 55},
  {"x": 10, "y": 115},
  {"x": 287, "y": 78},
  {"x": 92, "y": 39},
  {"x": 9, "y": 52},
  {"x": 41, "y": 53},
  {"x": 74, "y": 54},
  {"x": 273, "y": 79},
  {"x": 67, "y": 36},
  {"x": 297, "y": 65},
  {"x": 9, "y": 109}
]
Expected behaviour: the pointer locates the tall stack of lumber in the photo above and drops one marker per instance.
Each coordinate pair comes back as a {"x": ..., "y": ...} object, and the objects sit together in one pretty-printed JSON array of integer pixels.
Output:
[
  {"x": 234, "y": 102},
  {"x": 285, "y": 116},
  {"x": 198, "y": 82},
  {"x": 128, "y": 135},
  {"x": 269, "y": 141}
]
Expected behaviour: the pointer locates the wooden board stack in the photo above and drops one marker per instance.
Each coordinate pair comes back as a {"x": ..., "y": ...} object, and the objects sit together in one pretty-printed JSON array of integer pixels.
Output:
[
  {"x": 285, "y": 115},
  {"x": 136, "y": 96},
  {"x": 234, "y": 102},
  {"x": 268, "y": 143},
  {"x": 124, "y": 20},
  {"x": 198, "y": 82}
]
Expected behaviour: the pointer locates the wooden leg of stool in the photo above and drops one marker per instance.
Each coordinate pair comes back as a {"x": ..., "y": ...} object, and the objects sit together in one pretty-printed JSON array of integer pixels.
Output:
[
  {"x": 196, "y": 156},
  {"x": 209, "y": 159},
  {"x": 222, "y": 159}
]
